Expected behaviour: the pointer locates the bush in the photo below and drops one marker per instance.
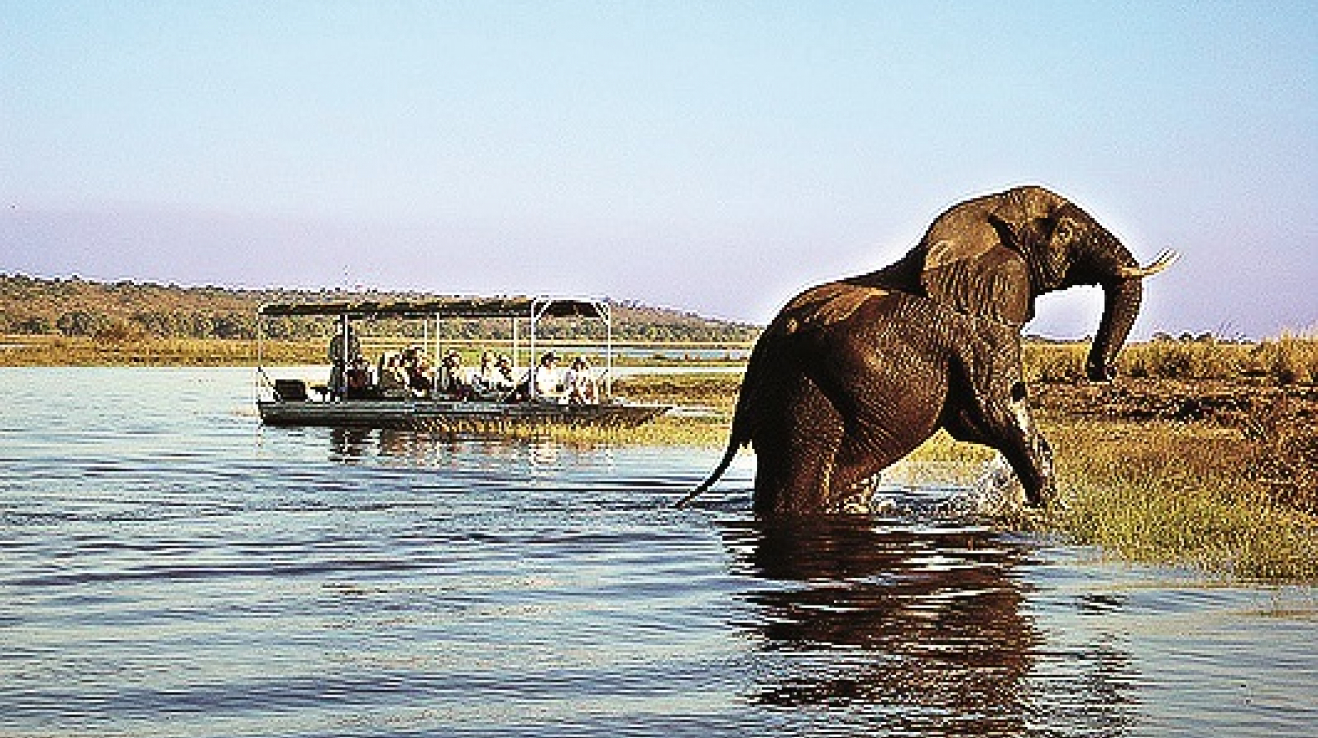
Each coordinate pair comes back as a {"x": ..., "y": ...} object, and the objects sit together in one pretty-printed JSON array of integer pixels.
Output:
[
  {"x": 1053, "y": 362},
  {"x": 1288, "y": 360},
  {"x": 1183, "y": 360}
]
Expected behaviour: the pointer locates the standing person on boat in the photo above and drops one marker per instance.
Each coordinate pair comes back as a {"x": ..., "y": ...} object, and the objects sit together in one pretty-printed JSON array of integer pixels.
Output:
[
  {"x": 580, "y": 383},
  {"x": 340, "y": 359}
]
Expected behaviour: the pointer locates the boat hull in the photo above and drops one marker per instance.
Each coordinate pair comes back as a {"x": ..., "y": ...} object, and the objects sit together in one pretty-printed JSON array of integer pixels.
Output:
[{"x": 454, "y": 417}]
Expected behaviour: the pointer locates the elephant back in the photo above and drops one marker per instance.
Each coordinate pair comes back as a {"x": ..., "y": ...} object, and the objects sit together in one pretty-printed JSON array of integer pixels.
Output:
[{"x": 827, "y": 305}]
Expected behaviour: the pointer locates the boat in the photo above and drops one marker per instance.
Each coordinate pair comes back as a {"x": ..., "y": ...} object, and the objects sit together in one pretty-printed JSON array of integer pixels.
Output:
[{"x": 344, "y": 401}]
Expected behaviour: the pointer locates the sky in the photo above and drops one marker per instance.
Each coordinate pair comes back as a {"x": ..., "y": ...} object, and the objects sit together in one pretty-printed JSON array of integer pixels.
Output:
[{"x": 716, "y": 157}]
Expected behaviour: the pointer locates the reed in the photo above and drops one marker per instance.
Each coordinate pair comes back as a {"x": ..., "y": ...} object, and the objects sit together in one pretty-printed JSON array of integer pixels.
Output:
[
  {"x": 1179, "y": 493},
  {"x": 704, "y": 432},
  {"x": 1287, "y": 360},
  {"x": 138, "y": 351}
]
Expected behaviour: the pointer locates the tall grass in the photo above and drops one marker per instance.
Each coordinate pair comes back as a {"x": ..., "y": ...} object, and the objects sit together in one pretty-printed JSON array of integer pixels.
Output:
[
  {"x": 1169, "y": 492},
  {"x": 1290, "y": 359},
  {"x": 82, "y": 351}
]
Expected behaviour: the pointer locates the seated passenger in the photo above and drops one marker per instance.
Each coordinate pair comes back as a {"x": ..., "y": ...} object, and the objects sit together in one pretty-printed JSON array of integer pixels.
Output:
[
  {"x": 418, "y": 371},
  {"x": 358, "y": 379},
  {"x": 580, "y": 383},
  {"x": 393, "y": 378},
  {"x": 450, "y": 381},
  {"x": 505, "y": 367},
  {"x": 542, "y": 382},
  {"x": 547, "y": 378},
  {"x": 488, "y": 381}
]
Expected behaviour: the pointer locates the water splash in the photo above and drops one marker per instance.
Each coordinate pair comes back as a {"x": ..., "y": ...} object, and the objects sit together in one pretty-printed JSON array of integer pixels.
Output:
[{"x": 996, "y": 492}]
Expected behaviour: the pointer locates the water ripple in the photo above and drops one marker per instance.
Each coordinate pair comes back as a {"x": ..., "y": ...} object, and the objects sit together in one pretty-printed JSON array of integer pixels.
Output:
[{"x": 171, "y": 568}]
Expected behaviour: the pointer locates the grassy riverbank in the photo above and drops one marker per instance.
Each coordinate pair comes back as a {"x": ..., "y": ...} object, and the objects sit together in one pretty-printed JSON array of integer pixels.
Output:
[{"x": 1221, "y": 475}]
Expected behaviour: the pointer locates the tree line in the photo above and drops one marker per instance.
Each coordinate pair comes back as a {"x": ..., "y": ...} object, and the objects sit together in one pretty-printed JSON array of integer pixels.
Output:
[{"x": 127, "y": 310}]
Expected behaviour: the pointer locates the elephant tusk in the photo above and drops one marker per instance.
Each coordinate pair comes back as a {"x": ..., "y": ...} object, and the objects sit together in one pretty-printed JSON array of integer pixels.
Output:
[{"x": 1164, "y": 260}]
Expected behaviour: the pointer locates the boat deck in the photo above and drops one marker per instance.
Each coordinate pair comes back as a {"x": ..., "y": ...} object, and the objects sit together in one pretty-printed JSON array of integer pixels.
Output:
[{"x": 467, "y": 416}]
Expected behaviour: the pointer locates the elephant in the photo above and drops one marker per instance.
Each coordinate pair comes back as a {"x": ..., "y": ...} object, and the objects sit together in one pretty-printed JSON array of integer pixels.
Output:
[
  {"x": 854, "y": 374},
  {"x": 848, "y": 379}
]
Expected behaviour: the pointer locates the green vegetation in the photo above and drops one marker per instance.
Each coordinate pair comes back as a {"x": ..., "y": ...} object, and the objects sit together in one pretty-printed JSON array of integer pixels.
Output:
[
  {"x": 1184, "y": 493},
  {"x": 129, "y": 311},
  {"x": 1291, "y": 359}
]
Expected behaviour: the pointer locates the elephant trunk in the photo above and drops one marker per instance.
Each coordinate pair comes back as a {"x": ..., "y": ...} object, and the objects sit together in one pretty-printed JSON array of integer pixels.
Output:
[
  {"x": 1121, "y": 305},
  {"x": 1111, "y": 265}
]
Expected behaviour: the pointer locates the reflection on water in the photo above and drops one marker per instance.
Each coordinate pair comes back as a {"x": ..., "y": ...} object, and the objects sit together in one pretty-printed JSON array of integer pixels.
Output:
[
  {"x": 356, "y": 446},
  {"x": 935, "y": 611},
  {"x": 918, "y": 630},
  {"x": 171, "y": 568}
]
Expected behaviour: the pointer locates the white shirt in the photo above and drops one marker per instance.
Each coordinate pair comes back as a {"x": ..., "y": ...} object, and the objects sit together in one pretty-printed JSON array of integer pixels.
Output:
[{"x": 548, "y": 381}]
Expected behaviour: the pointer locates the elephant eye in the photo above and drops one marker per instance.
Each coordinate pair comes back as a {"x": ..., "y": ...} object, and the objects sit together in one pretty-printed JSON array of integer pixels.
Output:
[{"x": 1063, "y": 232}]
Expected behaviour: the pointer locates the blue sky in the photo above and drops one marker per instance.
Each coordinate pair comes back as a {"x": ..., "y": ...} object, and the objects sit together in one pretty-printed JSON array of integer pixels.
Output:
[{"x": 711, "y": 156}]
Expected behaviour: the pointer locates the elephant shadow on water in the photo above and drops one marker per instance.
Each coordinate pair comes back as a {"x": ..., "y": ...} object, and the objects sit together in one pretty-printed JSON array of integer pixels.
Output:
[{"x": 907, "y": 628}]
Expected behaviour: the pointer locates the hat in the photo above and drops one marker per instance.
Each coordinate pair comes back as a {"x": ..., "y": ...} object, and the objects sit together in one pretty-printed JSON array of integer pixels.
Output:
[{"x": 549, "y": 356}]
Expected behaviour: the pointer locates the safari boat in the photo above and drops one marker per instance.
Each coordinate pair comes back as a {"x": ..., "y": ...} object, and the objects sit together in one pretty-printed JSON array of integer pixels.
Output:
[{"x": 348, "y": 399}]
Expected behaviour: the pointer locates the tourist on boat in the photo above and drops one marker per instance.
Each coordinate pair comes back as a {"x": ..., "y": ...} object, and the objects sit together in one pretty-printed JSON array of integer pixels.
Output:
[
  {"x": 393, "y": 377},
  {"x": 418, "y": 370},
  {"x": 339, "y": 360},
  {"x": 491, "y": 380},
  {"x": 548, "y": 378},
  {"x": 543, "y": 382},
  {"x": 451, "y": 381},
  {"x": 505, "y": 367},
  {"x": 358, "y": 379},
  {"x": 580, "y": 384}
]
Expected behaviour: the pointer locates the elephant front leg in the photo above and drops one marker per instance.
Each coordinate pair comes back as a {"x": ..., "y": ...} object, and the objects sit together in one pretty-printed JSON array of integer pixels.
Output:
[
  {"x": 1033, "y": 464},
  {"x": 1007, "y": 425},
  {"x": 1028, "y": 451}
]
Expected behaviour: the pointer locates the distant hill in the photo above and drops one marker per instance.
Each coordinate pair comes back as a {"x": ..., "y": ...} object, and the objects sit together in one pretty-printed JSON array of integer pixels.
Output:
[{"x": 124, "y": 310}]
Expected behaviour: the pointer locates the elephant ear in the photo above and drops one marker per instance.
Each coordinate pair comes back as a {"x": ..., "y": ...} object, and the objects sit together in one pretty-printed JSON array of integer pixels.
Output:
[{"x": 976, "y": 270}]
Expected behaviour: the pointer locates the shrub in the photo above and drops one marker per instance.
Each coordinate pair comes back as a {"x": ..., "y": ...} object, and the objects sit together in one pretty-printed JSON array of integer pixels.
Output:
[
  {"x": 1287, "y": 360},
  {"x": 1045, "y": 362},
  {"x": 1194, "y": 359}
]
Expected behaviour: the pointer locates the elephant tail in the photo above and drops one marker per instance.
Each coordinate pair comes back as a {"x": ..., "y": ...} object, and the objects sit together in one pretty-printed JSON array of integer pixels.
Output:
[
  {"x": 713, "y": 477},
  {"x": 743, "y": 420}
]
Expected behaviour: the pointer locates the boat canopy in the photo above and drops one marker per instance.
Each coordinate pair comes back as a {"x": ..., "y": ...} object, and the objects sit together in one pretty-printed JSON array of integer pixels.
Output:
[{"x": 445, "y": 307}]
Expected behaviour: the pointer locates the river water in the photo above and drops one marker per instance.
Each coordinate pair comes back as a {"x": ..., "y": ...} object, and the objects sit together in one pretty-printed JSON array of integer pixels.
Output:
[{"x": 168, "y": 567}]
